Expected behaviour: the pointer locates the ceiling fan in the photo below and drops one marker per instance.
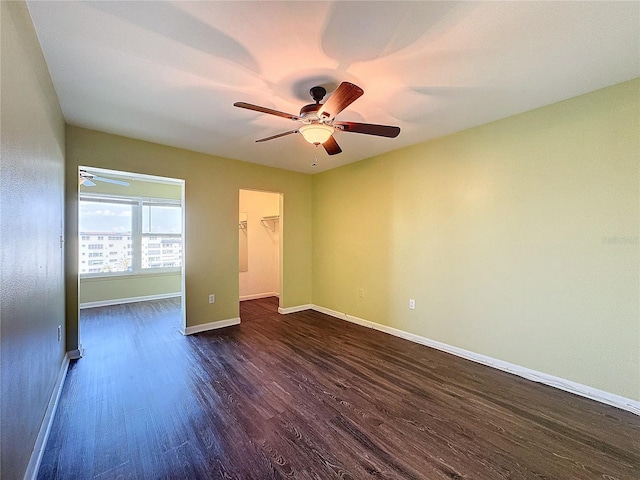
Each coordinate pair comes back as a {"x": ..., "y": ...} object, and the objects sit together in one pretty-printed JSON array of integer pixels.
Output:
[
  {"x": 87, "y": 179},
  {"x": 318, "y": 119}
]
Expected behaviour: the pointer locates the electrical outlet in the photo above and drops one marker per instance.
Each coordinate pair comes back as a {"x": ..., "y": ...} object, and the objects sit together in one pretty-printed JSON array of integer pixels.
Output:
[
  {"x": 212, "y": 298},
  {"x": 59, "y": 332},
  {"x": 361, "y": 293},
  {"x": 412, "y": 304}
]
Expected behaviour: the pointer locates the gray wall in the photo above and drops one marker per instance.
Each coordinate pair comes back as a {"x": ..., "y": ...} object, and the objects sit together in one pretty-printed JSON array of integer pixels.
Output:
[{"x": 31, "y": 214}]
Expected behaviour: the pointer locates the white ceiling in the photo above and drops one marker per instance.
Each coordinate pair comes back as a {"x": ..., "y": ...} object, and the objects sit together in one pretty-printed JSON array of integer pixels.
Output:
[{"x": 169, "y": 72}]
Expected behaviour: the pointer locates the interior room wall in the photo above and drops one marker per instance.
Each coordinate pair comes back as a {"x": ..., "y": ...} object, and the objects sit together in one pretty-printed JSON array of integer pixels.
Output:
[
  {"x": 101, "y": 290},
  {"x": 518, "y": 239},
  {"x": 263, "y": 241},
  {"x": 31, "y": 261},
  {"x": 120, "y": 289},
  {"x": 211, "y": 203}
]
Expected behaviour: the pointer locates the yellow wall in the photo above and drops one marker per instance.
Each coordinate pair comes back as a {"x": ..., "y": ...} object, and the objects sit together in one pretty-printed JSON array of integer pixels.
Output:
[
  {"x": 104, "y": 289},
  {"x": 116, "y": 287},
  {"x": 517, "y": 239},
  {"x": 211, "y": 202},
  {"x": 32, "y": 278}
]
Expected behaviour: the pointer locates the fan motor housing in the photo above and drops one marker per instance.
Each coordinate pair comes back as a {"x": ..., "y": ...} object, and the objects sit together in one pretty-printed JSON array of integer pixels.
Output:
[
  {"x": 317, "y": 93},
  {"x": 310, "y": 110}
]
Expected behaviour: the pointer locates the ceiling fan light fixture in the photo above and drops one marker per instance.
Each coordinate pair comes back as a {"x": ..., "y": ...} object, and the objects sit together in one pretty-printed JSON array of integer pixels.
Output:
[
  {"x": 316, "y": 133},
  {"x": 317, "y": 119}
]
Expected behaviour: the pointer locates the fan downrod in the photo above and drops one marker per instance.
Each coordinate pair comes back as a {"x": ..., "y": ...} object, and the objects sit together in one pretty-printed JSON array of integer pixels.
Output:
[{"x": 317, "y": 93}]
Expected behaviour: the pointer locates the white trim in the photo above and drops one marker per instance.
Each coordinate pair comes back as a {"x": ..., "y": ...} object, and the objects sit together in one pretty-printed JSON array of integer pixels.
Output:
[
  {"x": 586, "y": 391},
  {"x": 45, "y": 427},
  {"x": 211, "y": 326},
  {"x": 298, "y": 308},
  {"x": 119, "y": 301},
  {"x": 256, "y": 296},
  {"x": 76, "y": 354}
]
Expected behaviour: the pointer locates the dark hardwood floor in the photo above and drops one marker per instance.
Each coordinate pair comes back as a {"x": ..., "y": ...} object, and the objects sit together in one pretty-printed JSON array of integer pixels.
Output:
[{"x": 312, "y": 397}]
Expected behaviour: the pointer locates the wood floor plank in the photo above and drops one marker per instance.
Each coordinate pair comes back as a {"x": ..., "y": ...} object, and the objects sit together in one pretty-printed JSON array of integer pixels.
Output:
[{"x": 307, "y": 396}]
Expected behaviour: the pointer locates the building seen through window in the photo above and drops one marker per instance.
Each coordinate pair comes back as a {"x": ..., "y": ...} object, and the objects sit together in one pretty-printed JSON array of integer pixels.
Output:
[{"x": 128, "y": 235}]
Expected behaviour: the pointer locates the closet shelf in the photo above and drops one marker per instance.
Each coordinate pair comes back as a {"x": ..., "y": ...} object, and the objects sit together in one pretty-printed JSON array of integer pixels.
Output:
[{"x": 270, "y": 221}]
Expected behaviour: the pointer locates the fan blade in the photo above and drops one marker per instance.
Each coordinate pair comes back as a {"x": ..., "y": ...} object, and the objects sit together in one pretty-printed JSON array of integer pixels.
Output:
[
  {"x": 345, "y": 95},
  {"x": 277, "y": 136},
  {"x": 110, "y": 180},
  {"x": 331, "y": 146},
  {"x": 270, "y": 111},
  {"x": 87, "y": 183},
  {"x": 368, "y": 129}
]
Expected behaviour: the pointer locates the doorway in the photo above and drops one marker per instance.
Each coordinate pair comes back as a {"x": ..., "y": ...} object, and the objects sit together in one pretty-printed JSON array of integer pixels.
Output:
[
  {"x": 130, "y": 238},
  {"x": 260, "y": 244}
]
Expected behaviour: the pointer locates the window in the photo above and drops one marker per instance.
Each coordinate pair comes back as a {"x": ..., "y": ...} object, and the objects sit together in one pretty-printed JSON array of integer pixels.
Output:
[
  {"x": 132, "y": 235},
  {"x": 161, "y": 235}
]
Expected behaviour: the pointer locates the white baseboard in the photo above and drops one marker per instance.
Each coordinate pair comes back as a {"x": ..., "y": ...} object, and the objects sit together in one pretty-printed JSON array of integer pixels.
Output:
[
  {"x": 592, "y": 393},
  {"x": 211, "y": 326},
  {"x": 256, "y": 296},
  {"x": 120, "y": 301},
  {"x": 45, "y": 427},
  {"x": 297, "y": 308}
]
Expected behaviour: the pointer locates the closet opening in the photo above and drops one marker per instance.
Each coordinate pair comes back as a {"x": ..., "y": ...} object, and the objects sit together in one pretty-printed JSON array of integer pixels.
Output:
[{"x": 260, "y": 244}]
